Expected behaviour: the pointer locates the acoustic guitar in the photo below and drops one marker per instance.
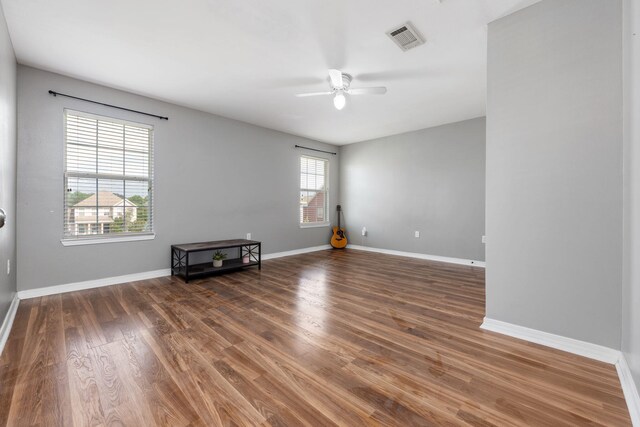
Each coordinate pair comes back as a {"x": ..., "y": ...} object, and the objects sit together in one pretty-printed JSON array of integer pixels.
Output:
[{"x": 339, "y": 238}]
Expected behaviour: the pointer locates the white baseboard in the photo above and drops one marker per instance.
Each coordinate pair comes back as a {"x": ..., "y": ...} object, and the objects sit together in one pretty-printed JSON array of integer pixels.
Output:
[
  {"x": 420, "y": 256},
  {"x": 582, "y": 348},
  {"x": 630, "y": 390},
  {"x": 295, "y": 252},
  {"x": 89, "y": 284},
  {"x": 108, "y": 281},
  {"x": 5, "y": 329}
]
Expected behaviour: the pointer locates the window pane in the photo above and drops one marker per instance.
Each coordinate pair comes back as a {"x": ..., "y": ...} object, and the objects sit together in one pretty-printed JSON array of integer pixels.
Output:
[
  {"x": 80, "y": 203},
  {"x": 309, "y": 202},
  {"x": 137, "y": 200},
  {"x": 303, "y": 203},
  {"x": 136, "y": 164},
  {"x": 111, "y": 135},
  {"x": 111, "y": 206},
  {"x": 110, "y": 161},
  {"x": 113, "y": 195},
  {"x": 81, "y": 138},
  {"x": 313, "y": 197},
  {"x": 137, "y": 139},
  {"x": 81, "y": 158}
]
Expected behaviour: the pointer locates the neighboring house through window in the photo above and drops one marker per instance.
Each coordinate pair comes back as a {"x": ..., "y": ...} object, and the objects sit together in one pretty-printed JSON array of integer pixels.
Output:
[
  {"x": 108, "y": 177},
  {"x": 314, "y": 199},
  {"x": 112, "y": 209}
]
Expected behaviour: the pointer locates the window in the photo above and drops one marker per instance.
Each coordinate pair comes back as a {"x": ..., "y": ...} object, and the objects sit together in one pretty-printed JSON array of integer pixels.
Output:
[
  {"x": 314, "y": 192},
  {"x": 108, "y": 177}
]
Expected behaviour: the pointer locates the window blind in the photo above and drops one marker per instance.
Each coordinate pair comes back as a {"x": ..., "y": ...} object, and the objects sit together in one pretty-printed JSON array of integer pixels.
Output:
[
  {"x": 314, "y": 200},
  {"x": 108, "y": 177}
]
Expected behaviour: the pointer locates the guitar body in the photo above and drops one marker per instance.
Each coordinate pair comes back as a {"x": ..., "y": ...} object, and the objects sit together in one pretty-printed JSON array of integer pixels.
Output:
[{"x": 339, "y": 238}]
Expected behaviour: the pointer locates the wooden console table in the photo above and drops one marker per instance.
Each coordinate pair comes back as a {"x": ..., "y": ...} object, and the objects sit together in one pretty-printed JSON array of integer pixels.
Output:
[{"x": 180, "y": 265}]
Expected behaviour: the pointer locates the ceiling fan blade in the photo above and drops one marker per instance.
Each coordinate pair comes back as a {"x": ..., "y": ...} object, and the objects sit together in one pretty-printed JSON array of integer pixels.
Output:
[
  {"x": 336, "y": 79},
  {"x": 367, "y": 91},
  {"x": 313, "y": 94}
]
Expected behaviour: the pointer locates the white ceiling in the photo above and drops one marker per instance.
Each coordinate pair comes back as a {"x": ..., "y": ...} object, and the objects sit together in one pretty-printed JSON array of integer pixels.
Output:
[{"x": 246, "y": 59}]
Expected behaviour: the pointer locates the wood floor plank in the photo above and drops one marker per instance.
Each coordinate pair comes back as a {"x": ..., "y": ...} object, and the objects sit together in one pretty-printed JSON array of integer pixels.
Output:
[{"x": 339, "y": 337}]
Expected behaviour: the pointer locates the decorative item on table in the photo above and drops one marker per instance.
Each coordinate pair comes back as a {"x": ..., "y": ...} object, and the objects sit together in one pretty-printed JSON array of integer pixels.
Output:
[
  {"x": 218, "y": 256},
  {"x": 246, "y": 259}
]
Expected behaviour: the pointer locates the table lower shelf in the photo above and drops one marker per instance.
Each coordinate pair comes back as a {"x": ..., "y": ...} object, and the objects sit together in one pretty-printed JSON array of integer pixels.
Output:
[{"x": 207, "y": 268}]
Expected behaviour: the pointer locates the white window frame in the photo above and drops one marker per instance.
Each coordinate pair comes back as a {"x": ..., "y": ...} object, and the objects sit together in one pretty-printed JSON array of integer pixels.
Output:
[
  {"x": 91, "y": 239},
  {"x": 326, "y": 222}
]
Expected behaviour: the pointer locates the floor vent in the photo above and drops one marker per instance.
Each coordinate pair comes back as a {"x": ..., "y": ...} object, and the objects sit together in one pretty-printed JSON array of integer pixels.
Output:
[{"x": 406, "y": 37}]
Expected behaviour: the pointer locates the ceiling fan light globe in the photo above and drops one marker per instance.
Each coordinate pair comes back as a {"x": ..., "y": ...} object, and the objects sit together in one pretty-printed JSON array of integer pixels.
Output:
[{"x": 339, "y": 101}]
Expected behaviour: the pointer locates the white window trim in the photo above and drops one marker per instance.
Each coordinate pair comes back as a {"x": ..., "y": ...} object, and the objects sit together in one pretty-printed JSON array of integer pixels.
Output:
[
  {"x": 326, "y": 223},
  {"x": 315, "y": 224},
  {"x": 96, "y": 241},
  {"x": 125, "y": 237}
]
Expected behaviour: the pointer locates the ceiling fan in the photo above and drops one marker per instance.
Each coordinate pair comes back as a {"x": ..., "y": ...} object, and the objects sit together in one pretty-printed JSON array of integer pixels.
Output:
[{"x": 340, "y": 85}]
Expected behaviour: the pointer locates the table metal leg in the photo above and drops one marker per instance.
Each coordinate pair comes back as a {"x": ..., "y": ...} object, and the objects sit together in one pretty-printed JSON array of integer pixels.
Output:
[
  {"x": 186, "y": 269},
  {"x": 173, "y": 261}
]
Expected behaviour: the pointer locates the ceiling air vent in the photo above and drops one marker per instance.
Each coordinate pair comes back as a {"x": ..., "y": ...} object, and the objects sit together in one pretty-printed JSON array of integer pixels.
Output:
[{"x": 406, "y": 36}]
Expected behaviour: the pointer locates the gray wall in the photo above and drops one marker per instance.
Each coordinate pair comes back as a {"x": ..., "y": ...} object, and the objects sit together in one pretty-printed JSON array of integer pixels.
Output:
[
  {"x": 430, "y": 181},
  {"x": 631, "y": 283},
  {"x": 7, "y": 167},
  {"x": 554, "y": 169},
  {"x": 215, "y": 178}
]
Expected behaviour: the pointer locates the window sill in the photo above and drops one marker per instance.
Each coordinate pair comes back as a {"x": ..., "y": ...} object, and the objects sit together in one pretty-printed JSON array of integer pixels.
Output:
[
  {"x": 80, "y": 242},
  {"x": 315, "y": 225}
]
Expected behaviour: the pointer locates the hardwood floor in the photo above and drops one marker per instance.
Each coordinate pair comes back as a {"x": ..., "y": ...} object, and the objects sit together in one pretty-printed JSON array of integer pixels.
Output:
[{"x": 333, "y": 337}]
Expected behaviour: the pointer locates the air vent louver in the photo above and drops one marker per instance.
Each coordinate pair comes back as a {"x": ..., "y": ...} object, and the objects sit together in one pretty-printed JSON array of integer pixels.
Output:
[{"x": 406, "y": 37}]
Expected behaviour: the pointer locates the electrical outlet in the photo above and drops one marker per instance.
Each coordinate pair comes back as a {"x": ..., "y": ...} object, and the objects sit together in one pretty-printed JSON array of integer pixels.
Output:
[
  {"x": 484, "y": 239},
  {"x": 8, "y": 266},
  {"x": 364, "y": 231},
  {"x": 417, "y": 234},
  {"x": 248, "y": 236}
]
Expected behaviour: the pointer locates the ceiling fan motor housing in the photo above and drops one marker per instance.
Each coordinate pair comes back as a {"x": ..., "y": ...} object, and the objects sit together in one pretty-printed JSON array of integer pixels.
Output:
[{"x": 346, "y": 81}]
